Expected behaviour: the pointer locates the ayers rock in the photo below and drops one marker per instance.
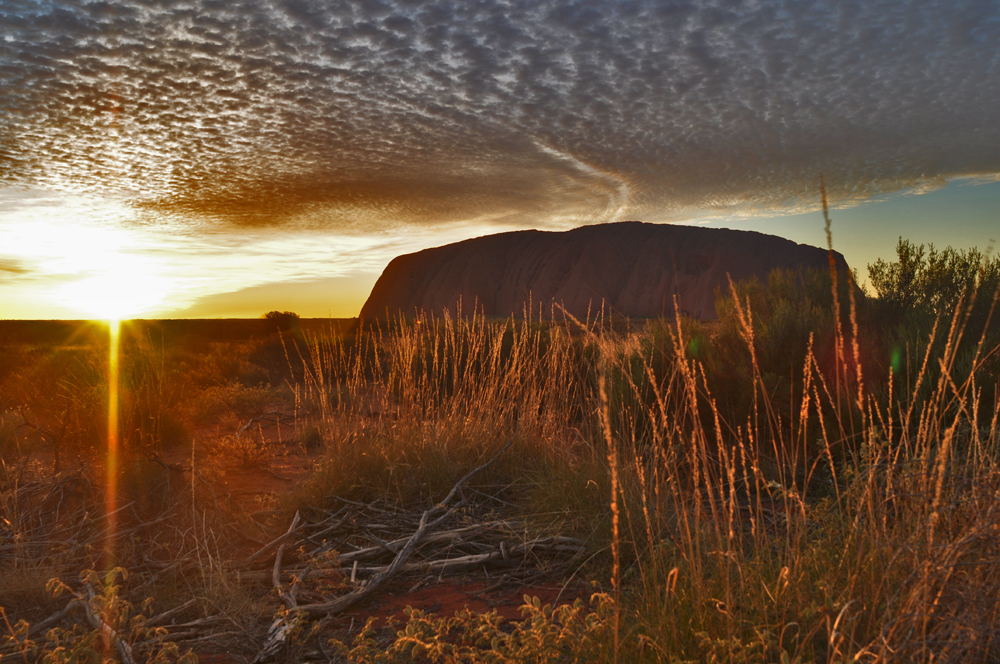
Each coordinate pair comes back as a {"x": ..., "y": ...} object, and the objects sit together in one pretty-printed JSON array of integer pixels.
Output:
[{"x": 634, "y": 268}]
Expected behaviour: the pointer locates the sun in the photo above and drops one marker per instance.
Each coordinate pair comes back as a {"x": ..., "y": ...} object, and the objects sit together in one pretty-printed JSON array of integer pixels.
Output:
[
  {"x": 106, "y": 273},
  {"x": 121, "y": 290},
  {"x": 88, "y": 259}
]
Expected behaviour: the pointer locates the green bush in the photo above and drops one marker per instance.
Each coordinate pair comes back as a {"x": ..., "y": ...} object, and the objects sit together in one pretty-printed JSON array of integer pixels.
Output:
[
  {"x": 933, "y": 304},
  {"x": 932, "y": 280}
]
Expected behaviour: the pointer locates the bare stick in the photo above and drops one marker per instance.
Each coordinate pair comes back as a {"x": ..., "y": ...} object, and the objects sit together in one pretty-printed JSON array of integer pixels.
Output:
[
  {"x": 554, "y": 544},
  {"x": 201, "y": 622},
  {"x": 167, "y": 615},
  {"x": 283, "y": 624},
  {"x": 76, "y": 603},
  {"x": 276, "y": 572},
  {"x": 271, "y": 545},
  {"x": 345, "y": 602},
  {"x": 437, "y": 537},
  {"x": 266, "y": 417}
]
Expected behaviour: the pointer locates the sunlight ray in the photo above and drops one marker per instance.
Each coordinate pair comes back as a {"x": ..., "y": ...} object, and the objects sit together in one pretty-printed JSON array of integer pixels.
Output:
[{"x": 111, "y": 491}]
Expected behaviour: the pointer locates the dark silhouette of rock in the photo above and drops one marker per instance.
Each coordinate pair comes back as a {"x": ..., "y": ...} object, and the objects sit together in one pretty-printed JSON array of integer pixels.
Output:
[{"x": 634, "y": 268}]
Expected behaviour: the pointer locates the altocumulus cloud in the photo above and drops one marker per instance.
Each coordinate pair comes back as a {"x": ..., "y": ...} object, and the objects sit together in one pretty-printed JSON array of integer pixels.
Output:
[{"x": 365, "y": 113}]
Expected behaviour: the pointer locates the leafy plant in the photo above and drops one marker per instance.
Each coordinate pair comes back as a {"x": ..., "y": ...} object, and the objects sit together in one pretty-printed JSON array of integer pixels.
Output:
[
  {"x": 102, "y": 623},
  {"x": 932, "y": 280},
  {"x": 568, "y": 633}
]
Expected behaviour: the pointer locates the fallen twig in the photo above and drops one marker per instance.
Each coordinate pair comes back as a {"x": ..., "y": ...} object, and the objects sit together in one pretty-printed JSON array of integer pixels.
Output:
[
  {"x": 276, "y": 542},
  {"x": 56, "y": 617},
  {"x": 167, "y": 615},
  {"x": 342, "y": 603},
  {"x": 436, "y": 537},
  {"x": 283, "y": 624},
  {"x": 200, "y": 622},
  {"x": 567, "y": 544},
  {"x": 270, "y": 416}
]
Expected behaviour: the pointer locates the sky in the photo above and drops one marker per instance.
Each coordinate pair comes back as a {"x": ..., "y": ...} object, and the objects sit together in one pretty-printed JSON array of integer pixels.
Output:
[{"x": 220, "y": 158}]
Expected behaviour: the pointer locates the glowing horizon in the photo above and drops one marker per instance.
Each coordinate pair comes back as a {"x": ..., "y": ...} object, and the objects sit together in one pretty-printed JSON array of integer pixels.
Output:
[{"x": 93, "y": 271}]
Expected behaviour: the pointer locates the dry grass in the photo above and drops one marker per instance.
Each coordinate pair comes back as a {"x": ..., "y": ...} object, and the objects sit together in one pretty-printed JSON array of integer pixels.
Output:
[
  {"x": 844, "y": 512},
  {"x": 856, "y": 524}
]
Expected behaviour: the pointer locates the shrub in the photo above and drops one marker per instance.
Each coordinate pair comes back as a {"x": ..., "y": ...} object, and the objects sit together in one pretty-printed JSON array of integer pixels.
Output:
[
  {"x": 283, "y": 320},
  {"x": 914, "y": 316},
  {"x": 932, "y": 280}
]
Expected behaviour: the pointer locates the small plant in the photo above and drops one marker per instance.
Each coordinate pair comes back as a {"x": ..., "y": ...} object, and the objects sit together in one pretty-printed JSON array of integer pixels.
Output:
[
  {"x": 575, "y": 633},
  {"x": 102, "y": 623},
  {"x": 247, "y": 450}
]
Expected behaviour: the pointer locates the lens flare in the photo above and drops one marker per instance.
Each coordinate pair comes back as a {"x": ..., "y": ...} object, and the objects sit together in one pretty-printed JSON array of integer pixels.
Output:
[{"x": 111, "y": 491}]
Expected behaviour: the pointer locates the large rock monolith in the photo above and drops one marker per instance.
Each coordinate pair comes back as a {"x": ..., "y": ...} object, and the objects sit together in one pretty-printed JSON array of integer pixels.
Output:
[{"x": 633, "y": 269}]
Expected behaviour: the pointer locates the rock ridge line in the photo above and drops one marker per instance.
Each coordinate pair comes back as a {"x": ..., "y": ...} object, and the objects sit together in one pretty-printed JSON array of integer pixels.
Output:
[{"x": 634, "y": 269}]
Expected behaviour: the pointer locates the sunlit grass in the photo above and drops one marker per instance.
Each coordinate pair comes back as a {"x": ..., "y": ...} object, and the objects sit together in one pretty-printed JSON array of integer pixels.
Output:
[
  {"x": 804, "y": 521},
  {"x": 771, "y": 505}
]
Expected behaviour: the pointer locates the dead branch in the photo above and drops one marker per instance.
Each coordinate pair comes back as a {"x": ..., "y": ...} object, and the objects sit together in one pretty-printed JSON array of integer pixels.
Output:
[
  {"x": 270, "y": 416},
  {"x": 550, "y": 544},
  {"x": 167, "y": 615},
  {"x": 448, "y": 535},
  {"x": 276, "y": 542},
  {"x": 200, "y": 622},
  {"x": 276, "y": 572},
  {"x": 342, "y": 603},
  {"x": 283, "y": 624},
  {"x": 191, "y": 637},
  {"x": 56, "y": 617}
]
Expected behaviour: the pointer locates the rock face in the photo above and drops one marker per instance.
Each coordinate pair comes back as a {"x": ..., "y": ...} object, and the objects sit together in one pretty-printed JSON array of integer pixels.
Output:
[{"x": 634, "y": 268}]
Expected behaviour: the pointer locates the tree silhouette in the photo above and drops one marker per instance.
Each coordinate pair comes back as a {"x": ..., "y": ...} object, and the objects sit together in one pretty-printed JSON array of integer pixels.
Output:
[{"x": 284, "y": 320}]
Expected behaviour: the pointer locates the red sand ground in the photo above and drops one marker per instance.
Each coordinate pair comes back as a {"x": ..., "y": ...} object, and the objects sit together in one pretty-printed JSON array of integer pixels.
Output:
[{"x": 446, "y": 597}]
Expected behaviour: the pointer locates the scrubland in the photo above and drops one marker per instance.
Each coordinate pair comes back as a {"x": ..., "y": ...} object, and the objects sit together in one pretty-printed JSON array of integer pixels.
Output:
[{"x": 811, "y": 478}]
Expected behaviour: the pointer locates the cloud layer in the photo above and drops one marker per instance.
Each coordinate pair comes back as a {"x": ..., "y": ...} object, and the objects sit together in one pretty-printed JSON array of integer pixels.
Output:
[{"x": 368, "y": 113}]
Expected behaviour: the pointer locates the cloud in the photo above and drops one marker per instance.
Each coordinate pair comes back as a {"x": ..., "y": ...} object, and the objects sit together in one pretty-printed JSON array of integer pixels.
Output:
[
  {"x": 363, "y": 115},
  {"x": 12, "y": 267}
]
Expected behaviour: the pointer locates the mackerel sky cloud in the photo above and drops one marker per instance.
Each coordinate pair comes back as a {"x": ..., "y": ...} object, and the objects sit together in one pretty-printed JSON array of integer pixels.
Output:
[{"x": 364, "y": 117}]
